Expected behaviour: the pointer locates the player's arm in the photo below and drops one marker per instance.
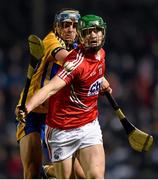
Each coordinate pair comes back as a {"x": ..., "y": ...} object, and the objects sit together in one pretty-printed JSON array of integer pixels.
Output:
[
  {"x": 105, "y": 86},
  {"x": 51, "y": 88},
  {"x": 55, "y": 49},
  {"x": 44, "y": 93},
  {"x": 60, "y": 55}
]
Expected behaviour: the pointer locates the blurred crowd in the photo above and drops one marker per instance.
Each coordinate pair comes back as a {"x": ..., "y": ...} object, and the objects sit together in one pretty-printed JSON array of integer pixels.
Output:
[{"x": 132, "y": 68}]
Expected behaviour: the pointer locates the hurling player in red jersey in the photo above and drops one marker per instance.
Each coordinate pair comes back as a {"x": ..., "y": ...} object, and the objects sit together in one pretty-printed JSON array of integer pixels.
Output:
[
  {"x": 57, "y": 45},
  {"x": 72, "y": 121}
]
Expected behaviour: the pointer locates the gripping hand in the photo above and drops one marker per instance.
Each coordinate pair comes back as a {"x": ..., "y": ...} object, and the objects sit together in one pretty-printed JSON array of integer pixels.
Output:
[{"x": 20, "y": 114}]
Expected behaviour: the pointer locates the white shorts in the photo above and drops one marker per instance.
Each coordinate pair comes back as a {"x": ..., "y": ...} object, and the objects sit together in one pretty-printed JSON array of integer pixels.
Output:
[{"x": 63, "y": 144}]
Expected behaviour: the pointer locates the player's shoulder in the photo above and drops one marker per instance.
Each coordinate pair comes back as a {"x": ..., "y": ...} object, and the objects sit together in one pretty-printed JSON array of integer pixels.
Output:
[
  {"x": 52, "y": 38},
  {"x": 75, "y": 54},
  {"x": 50, "y": 35},
  {"x": 74, "y": 60},
  {"x": 102, "y": 53}
]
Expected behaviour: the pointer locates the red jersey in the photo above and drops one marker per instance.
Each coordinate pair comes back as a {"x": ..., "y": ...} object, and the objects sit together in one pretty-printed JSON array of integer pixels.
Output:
[{"x": 76, "y": 104}]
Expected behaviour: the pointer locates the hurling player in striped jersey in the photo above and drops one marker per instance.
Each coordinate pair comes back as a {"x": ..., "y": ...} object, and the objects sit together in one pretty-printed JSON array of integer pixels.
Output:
[
  {"x": 57, "y": 43},
  {"x": 72, "y": 127}
]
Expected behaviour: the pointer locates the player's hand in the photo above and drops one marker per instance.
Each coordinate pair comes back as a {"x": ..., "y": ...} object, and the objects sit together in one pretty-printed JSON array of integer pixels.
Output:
[
  {"x": 20, "y": 114},
  {"x": 69, "y": 66}
]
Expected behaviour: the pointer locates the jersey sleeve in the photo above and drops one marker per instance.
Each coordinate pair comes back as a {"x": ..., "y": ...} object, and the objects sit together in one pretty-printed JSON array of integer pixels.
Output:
[{"x": 52, "y": 45}]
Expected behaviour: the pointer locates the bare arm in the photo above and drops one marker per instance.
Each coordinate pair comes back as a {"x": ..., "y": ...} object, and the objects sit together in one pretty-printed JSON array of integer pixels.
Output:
[
  {"x": 105, "y": 86},
  {"x": 51, "y": 88},
  {"x": 44, "y": 93},
  {"x": 61, "y": 55}
]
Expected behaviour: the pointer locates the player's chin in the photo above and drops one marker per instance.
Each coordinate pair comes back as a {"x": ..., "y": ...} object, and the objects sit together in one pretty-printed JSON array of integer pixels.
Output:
[
  {"x": 93, "y": 45},
  {"x": 70, "y": 37},
  {"x": 69, "y": 40}
]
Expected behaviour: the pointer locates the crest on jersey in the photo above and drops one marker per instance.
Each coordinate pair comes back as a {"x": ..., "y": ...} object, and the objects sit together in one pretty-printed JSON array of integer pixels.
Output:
[{"x": 57, "y": 153}]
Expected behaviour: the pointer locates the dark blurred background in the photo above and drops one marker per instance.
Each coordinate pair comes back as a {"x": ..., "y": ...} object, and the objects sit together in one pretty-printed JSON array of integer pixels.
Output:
[{"x": 132, "y": 68}]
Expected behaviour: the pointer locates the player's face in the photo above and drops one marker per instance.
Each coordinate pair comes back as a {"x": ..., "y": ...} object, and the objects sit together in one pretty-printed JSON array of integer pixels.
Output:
[
  {"x": 68, "y": 31},
  {"x": 92, "y": 37}
]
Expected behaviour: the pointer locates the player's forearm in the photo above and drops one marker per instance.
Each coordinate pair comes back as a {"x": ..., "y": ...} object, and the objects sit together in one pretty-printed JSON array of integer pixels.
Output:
[
  {"x": 41, "y": 96},
  {"x": 44, "y": 93},
  {"x": 105, "y": 86}
]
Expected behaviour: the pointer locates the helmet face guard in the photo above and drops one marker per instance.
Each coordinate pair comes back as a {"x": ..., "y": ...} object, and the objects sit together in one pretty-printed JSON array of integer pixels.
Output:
[
  {"x": 66, "y": 15},
  {"x": 90, "y": 23},
  {"x": 64, "y": 19}
]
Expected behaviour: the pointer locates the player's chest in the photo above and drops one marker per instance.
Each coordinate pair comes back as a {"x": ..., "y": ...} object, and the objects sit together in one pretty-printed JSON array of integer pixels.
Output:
[
  {"x": 92, "y": 71},
  {"x": 90, "y": 79}
]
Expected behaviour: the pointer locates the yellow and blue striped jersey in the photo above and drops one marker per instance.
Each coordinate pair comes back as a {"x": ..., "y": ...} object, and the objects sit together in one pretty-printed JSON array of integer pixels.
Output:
[{"x": 47, "y": 68}]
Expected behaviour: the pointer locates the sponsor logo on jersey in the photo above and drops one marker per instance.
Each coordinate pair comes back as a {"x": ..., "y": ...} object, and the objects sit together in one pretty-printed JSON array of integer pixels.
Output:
[{"x": 95, "y": 87}]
